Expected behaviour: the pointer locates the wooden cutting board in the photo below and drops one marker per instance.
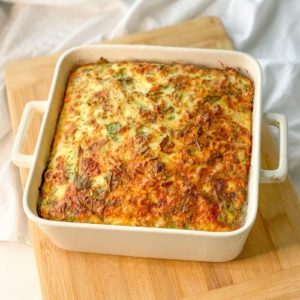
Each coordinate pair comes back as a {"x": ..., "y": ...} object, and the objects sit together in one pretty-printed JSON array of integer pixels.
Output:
[{"x": 268, "y": 267}]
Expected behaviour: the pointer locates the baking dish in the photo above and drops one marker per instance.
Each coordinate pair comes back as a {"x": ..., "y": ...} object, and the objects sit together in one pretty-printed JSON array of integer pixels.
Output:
[{"x": 142, "y": 241}]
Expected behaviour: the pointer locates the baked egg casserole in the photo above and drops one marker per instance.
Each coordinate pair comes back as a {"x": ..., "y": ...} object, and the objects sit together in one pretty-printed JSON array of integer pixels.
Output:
[{"x": 153, "y": 145}]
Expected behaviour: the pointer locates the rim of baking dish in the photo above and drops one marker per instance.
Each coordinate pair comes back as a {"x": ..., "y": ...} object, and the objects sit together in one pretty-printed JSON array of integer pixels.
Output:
[{"x": 255, "y": 155}]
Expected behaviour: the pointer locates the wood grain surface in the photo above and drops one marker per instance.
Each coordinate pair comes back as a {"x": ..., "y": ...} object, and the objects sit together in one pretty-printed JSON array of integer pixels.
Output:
[{"x": 269, "y": 265}]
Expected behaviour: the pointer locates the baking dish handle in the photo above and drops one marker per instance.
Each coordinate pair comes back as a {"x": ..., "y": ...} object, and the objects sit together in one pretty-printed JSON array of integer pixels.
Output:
[
  {"x": 20, "y": 159},
  {"x": 279, "y": 174}
]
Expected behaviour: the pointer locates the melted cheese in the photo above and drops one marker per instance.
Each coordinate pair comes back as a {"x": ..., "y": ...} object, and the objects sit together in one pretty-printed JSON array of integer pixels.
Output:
[{"x": 148, "y": 144}]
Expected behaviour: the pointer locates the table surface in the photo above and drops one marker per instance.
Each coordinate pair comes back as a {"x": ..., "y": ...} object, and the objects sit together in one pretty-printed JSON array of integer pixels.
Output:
[
  {"x": 18, "y": 283},
  {"x": 269, "y": 265}
]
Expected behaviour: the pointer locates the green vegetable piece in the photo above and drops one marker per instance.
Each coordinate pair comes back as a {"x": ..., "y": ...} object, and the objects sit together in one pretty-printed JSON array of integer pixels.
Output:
[
  {"x": 222, "y": 218},
  {"x": 121, "y": 74},
  {"x": 166, "y": 87},
  {"x": 113, "y": 128},
  {"x": 212, "y": 99}
]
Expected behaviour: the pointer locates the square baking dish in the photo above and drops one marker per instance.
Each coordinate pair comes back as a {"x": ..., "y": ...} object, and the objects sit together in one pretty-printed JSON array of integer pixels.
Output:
[{"x": 144, "y": 241}]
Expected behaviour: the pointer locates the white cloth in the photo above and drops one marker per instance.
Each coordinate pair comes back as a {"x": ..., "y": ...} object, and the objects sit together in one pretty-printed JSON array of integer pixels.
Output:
[{"x": 269, "y": 30}]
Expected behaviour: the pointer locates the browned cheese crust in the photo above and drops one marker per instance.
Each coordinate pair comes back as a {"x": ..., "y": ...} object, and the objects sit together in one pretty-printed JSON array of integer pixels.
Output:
[{"x": 150, "y": 144}]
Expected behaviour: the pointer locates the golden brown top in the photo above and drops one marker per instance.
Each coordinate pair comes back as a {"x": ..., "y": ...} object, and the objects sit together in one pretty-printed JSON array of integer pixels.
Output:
[{"x": 150, "y": 144}]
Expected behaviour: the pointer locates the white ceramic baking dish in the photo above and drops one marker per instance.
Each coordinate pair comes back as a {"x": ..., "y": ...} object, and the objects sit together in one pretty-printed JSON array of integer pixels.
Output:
[{"x": 141, "y": 241}]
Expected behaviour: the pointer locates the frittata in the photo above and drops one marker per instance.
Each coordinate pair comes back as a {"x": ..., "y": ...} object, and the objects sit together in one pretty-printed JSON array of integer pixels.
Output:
[{"x": 151, "y": 144}]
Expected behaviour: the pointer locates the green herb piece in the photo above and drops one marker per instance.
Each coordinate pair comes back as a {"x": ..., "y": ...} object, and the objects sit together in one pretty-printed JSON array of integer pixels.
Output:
[
  {"x": 113, "y": 128},
  {"x": 186, "y": 225},
  {"x": 212, "y": 99},
  {"x": 222, "y": 218},
  {"x": 165, "y": 88},
  {"x": 121, "y": 74},
  {"x": 170, "y": 224},
  {"x": 231, "y": 216}
]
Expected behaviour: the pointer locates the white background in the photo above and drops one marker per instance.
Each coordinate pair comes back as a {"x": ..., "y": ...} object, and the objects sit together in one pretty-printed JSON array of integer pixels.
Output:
[{"x": 269, "y": 30}]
